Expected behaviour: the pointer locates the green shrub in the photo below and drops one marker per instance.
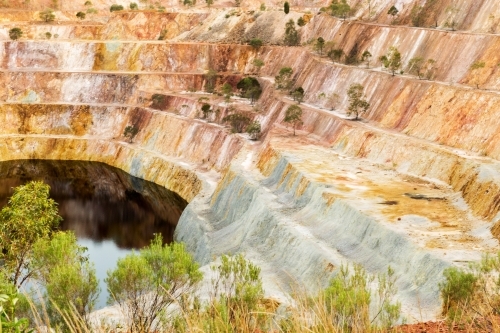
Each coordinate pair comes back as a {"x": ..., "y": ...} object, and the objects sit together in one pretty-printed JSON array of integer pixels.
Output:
[
  {"x": 457, "y": 291},
  {"x": 254, "y": 130},
  {"x": 47, "y": 15},
  {"x": 238, "y": 122},
  {"x": 145, "y": 283},
  {"x": 130, "y": 132},
  {"x": 15, "y": 33},
  {"x": 133, "y": 6},
  {"x": 206, "y": 110},
  {"x": 250, "y": 88},
  {"x": 66, "y": 275},
  {"x": 115, "y": 8},
  {"x": 255, "y": 43},
  {"x": 80, "y": 15}
]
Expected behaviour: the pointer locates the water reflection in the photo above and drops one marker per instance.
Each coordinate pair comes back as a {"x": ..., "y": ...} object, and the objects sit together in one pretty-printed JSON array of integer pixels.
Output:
[{"x": 99, "y": 202}]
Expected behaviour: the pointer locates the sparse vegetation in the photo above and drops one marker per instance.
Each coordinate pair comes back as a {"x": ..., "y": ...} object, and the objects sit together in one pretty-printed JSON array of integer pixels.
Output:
[
  {"x": 130, "y": 132},
  {"x": 238, "y": 121},
  {"x": 366, "y": 58},
  {"x": 286, "y": 7},
  {"x": 293, "y": 116},
  {"x": 133, "y": 6},
  {"x": 298, "y": 95},
  {"x": 115, "y": 8},
  {"x": 319, "y": 45},
  {"x": 15, "y": 33},
  {"x": 301, "y": 22},
  {"x": 80, "y": 15},
  {"x": 163, "y": 34},
  {"x": 250, "y": 88},
  {"x": 48, "y": 35},
  {"x": 283, "y": 81},
  {"x": 227, "y": 91},
  {"x": 393, "y": 11},
  {"x": 210, "y": 80},
  {"x": 206, "y": 110},
  {"x": 255, "y": 43},
  {"x": 336, "y": 54},
  {"x": 340, "y": 9},
  {"x": 392, "y": 60},
  {"x": 254, "y": 130},
  {"x": 416, "y": 15},
  {"x": 475, "y": 68},
  {"x": 47, "y": 15},
  {"x": 421, "y": 67},
  {"x": 291, "y": 34},
  {"x": 357, "y": 103},
  {"x": 158, "y": 101},
  {"x": 258, "y": 63}
]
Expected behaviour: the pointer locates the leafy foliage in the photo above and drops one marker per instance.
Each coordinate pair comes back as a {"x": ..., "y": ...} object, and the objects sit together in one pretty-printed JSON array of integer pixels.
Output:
[
  {"x": 283, "y": 81},
  {"x": 301, "y": 22},
  {"x": 286, "y": 7},
  {"x": 66, "y": 274},
  {"x": 81, "y": 15},
  {"x": 366, "y": 57},
  {"x": 9, "y": 323},
  {"x": 133, "y": 6},
  {"x": 336, "y": 54},
  {"x": 356, "y": 102},
  {"x": 206, "y": 110},
  {"x": 320, "y": 43},
  {"x": 392, "y": 60},
  {"x": 238, "y": 121},
  {"x": 293, "y": 115},
  {"x": 250, "y": 88},
  {"x": 291, "y": 34},
  {"x": 340, "y": 9},
  {"x": 421, "y": 67},
  {"x": 210, "y": 80},
  {"x": 115, "y": 8},
  {"x": 416, "y": 15},
  {"x": 254, "y": 130},
  {"x": 457, "y": 291},
  {"x": 47, "y": 15},
  {"x": 393, "y": 11},
  {"x": 130, "y": 132},
  {"x": 255, "y": 43},
  {"x": 258, "y": 63},
  {"x": 30, "y": 215},
  {"x": 145, "y": 283},
  {"x": 236, "y": 291},
  {"x": 15, "y": 33},
  {"x": 298, "y": 94}
]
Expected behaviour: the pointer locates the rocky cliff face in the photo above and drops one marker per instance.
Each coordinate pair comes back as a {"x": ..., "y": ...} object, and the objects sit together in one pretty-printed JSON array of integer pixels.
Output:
[{"x": 415, "y": 184}]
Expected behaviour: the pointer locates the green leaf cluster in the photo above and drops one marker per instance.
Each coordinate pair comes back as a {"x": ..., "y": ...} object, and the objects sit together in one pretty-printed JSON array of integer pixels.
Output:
[
  {"x": 66, "y": 274},
  {"x": 356, "y": 102},
  {"x": 340, "y": 9},
  {"x": 291, "y": 34},
  {"x": 145, "y": 283},
  {"x": 30, "y": 215}
]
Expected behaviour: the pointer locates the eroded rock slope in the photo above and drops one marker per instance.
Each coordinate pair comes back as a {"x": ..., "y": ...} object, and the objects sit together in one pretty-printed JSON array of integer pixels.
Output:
[{"x": 415, "y": 184}]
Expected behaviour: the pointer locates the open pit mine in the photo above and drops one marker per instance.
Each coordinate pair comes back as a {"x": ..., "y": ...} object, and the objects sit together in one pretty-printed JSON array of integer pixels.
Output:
[{"x": 413, "y": 184}]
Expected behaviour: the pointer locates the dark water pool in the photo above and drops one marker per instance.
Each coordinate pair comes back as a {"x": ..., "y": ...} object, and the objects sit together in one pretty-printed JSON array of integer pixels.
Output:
[{"x": 110, "y": 211}]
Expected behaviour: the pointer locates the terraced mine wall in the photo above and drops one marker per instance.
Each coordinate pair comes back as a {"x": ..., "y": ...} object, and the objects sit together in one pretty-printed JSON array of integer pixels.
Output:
[{"x": 414, "y": 184}]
